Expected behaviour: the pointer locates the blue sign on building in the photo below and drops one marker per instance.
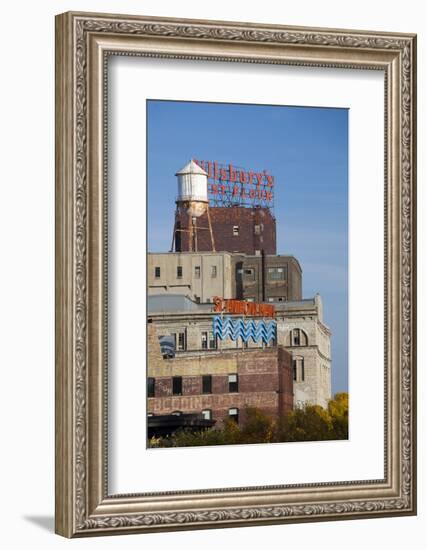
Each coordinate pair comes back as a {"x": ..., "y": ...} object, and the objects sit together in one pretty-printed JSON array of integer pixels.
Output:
[{"x": 238, "y": 328}]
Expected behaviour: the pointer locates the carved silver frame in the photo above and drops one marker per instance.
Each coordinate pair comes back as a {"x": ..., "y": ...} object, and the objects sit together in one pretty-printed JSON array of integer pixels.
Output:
[{"x": 83, "y": 42}]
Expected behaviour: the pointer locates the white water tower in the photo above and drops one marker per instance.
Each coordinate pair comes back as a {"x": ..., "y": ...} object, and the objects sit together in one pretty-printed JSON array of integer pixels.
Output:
[
  {"x": 192, "y": 189},
  {"x": 191, "y": 203}
]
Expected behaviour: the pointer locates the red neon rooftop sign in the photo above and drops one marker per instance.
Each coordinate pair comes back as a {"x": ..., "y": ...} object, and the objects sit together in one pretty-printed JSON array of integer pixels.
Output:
[
  {"x": 230, "y": 185},
  {"x": 225, "y": 305}
]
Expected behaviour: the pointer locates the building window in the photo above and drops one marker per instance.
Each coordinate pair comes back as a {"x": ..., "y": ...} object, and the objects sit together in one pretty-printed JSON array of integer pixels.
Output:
[
  {"x": 298, "y": 337},
  {"x": 257, "y": 252},
  {"x": 213, "y": 271},
  {"x": 180, "y": 341},
  {"x": 249, "y": 273},
  {"x": 179, "y": 272},
  {"x": 176, "y": 385},
  {"x": 196, "y": 272},
  {"x": 208, "y": 340},
  {"x": 150, "y": 387},
  {"x": 233, "y": 384},
  {"x": 276, "y": 273},
  {"x": 207, "y": 414},
  {"x": 277, "y": 299},
  {"x": 250, "y": 299},
  {"x": 298, "y": 369},
  {"x": 204, "y": 340},
  {"x": 206, "y": 383},
  {"x": 212, "y": 340},
  {"x": 257, "y": 229},
  {"x": 233, "y": 414},
  {"x": 235, "y": 230},
  {"x": 157, "y": 272}
]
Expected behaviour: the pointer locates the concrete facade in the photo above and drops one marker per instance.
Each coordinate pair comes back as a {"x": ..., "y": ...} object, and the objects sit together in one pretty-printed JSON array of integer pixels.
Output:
[
  {"x": 200, "y": 276},
  {"x": 269, "y": 278},
  {"x": 301, "y": 330}
]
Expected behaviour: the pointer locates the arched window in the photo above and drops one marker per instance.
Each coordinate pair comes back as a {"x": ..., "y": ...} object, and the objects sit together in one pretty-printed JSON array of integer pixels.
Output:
[{"x": 298, "y": 337}]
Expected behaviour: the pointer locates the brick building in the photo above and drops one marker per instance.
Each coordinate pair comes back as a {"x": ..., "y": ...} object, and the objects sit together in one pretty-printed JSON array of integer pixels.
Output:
[
  {"x": 229, "y": 251},
  {"x": 219, "y": 384},
  {"x": 300, "y": 330},
  {"x": 235, "y": 229}
]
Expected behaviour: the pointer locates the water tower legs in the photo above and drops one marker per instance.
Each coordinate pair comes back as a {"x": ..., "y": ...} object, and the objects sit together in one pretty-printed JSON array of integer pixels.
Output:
[
  {"x": 210, "y": 230},
  {"x": 191, "y": 229}
]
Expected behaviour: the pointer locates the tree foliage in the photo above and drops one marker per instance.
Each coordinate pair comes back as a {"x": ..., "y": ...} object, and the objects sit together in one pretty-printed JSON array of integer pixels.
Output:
[
  {"x": 311, "y": 423},
  {"x": 338, "y": 411}
]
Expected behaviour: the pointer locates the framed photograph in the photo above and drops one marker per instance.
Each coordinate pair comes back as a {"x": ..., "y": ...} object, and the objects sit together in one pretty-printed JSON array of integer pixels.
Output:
[{"x": 235, "y": 274}]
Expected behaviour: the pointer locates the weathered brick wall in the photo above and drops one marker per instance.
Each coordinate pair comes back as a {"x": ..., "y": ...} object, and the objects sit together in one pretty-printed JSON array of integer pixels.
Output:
[
  {"x": 264, "y": 381},
  {"x": 286, "y": 381},
  {"x": 220, "y": 383},
  {"x": 192, "y": 385},
  {"x": 163, "y": 387},
  {"x": 223, "y": 220},
  {"x": 219, "y": 404},
  {"x": 258, "y": 371}
]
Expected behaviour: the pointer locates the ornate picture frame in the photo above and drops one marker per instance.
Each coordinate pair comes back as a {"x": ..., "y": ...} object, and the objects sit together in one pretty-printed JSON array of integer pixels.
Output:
[{"x": 84, "y": 42}]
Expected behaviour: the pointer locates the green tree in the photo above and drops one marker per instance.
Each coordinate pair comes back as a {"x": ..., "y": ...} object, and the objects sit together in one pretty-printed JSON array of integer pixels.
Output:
[
  {"x": 310, "y": 423},
  {"x": 313, "y": 423},
  {"x": 258, "y": 427},
  {"x": 338, "y": 411},
  {"x": 229, "y": 435}
]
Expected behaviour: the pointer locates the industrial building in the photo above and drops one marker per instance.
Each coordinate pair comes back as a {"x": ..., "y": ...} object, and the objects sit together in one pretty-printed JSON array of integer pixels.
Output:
[
  {"x": 300, "y": 330},
  {"x": 245, "y": 226},
  {"x": 267, "y": 278},
  {"x": 217, "y": 385},
  {"x": 203, "y": 275},
  {"x": 271, "y": 350},
  {"x": 200, "y": 276}
]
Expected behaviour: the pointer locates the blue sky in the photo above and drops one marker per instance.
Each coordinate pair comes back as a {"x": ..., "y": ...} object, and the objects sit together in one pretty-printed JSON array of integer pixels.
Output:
[{"x": 306, "y": 149}]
